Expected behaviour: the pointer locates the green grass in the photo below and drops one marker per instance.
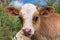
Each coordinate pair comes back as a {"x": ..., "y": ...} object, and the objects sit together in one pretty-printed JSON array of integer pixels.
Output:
[{"x": 9, "y": 26}]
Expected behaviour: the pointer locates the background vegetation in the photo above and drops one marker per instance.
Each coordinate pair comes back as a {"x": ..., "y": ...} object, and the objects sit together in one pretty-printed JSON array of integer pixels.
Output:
[{"x": 10, "y": 25}]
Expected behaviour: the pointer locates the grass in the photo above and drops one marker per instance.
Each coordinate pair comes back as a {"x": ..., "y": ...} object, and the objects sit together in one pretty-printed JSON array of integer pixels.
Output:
[{"x": 9, "y": 26}]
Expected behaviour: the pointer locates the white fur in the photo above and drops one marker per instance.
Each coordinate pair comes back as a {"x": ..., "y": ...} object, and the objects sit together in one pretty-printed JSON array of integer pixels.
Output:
[{"x": 27, "y": 11}]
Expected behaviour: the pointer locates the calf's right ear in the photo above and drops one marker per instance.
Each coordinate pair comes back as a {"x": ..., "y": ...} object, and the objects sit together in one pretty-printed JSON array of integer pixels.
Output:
[{"x": 12, "y": 11}]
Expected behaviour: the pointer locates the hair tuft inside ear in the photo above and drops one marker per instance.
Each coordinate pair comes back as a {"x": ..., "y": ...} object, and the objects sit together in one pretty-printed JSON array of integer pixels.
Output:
[{"x": 49, "y": 9}]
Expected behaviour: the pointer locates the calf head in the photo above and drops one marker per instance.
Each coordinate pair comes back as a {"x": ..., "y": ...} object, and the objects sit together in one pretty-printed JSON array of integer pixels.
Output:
[{"x": 30, "y": 16}]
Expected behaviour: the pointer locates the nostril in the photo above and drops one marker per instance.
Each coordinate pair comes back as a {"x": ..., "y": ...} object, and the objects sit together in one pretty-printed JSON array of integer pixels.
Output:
[{"x": 27, "y": 30}]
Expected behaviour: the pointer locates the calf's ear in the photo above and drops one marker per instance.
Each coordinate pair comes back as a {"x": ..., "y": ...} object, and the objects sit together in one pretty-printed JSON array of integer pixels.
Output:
[
  {"x": 12, "y": 11},
  {"x": 46, "y": 11}
]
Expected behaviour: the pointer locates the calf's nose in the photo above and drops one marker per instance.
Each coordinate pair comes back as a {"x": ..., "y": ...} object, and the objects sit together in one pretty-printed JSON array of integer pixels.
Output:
[{"x": 27, "y": 31}]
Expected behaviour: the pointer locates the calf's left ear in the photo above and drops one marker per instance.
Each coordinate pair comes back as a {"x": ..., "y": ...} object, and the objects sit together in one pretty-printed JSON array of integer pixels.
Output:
[
  {"x": 49, "y": 9},
  {"x": 46, "y": 11},
  {"x": 12, "y": 11}
]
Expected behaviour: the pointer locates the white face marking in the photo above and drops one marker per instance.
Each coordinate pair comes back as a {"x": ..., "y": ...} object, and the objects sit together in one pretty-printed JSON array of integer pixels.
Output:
[{"x": 27, "y": 12}]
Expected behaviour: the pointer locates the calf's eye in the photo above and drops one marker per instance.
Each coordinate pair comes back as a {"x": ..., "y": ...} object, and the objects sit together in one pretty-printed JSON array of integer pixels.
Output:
[
  {"x": 36, "y": 18},
  {"x": 21, "y": 19}
]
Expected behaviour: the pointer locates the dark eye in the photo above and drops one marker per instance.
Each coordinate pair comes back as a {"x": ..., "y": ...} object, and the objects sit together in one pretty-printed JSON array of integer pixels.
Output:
[
  {"x": 36, "y": 18},
  {"x": 21, "y": 19}
]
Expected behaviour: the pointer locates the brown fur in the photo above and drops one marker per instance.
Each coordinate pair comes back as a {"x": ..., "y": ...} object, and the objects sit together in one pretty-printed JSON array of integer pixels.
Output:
[{"x": 48, "y": 26}]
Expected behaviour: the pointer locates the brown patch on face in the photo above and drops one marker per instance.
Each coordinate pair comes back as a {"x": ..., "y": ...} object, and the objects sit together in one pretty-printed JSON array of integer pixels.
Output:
[
  {"x": 36, "y": 20},
  {"x": 21, "y": 18}
]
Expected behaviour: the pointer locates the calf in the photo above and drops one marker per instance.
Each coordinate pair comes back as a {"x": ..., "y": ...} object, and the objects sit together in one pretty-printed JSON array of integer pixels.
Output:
[{"x": 38, "y": 23}]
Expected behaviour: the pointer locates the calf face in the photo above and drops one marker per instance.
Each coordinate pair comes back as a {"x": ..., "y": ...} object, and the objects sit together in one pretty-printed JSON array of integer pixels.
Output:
[
  {"x": 25, "y": 14},
  {"x": 30, "y": 16}
]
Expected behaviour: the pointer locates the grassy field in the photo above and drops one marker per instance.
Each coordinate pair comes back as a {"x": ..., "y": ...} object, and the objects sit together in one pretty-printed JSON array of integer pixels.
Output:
[{"x": 8, "y": 25}]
